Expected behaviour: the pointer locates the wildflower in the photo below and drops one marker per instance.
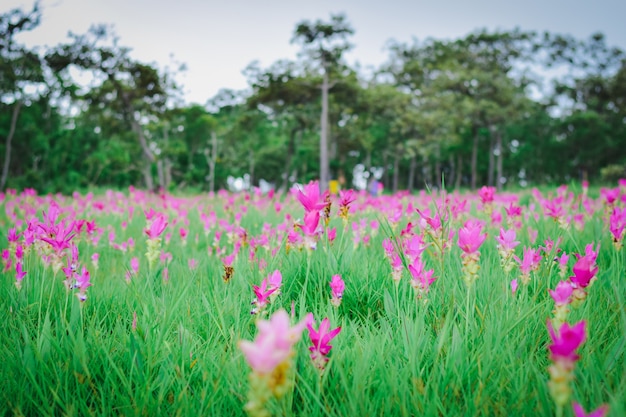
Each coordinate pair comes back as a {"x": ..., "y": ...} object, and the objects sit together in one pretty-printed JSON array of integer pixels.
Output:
[
  {"x": 183, "y": 235},
  {"x": 601, "y": 411},
  {"x": 345, "y": 199},
  {"x": 617, "y": 225},
  {"x": 320, "y": 339},
  {"x": 310, "y": 197},
  {"x": 421, "y": 279},
  {"x": 82, "y": 282},
  {"x": 486, "y": 195},
  {"x": 331, "y": 234},
  {"x": 337, "y": 287},
  {"x": 563, "y": 261},
  {"x": 530, "y": 262},
  {"x": 157, "y": 225},
  {"x": 585, "y": 270},
  {"x": 565, "y": 341},
  {"x": 228, "y": 267},
  {"x": 94, "y": 260},
  {"x": 562, "y": 298},
  {"x": 269, "y": 356},
  {"x": 19, "y": 274},
  {"x": 470, "y": 239},
  {"x": 264, "y": 293},
  {"x": 513, "y": 286},
  {"x": 310, "y": 229},
  {"x": 506, "y": 246}
]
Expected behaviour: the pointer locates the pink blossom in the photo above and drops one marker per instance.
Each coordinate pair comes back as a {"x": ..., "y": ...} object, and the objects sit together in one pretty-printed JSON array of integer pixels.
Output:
[
  {"x": 134, "y": 265},
  {"x": 562, "y": 294},
  {"x": 507, "y": 239},
  {"x": 617, "y": 223},
  {"x": 332, "y": 234},
  {"x": 275, "y": 279},
  {"x": 486, "y": 194},
  {"x": 601, "y": 411},
  {"x": 262, "y": 294},
  {"x": 513, "y": 286},
  {"x": 470, "y": 237},
  {"x": 337, "y": 286},
  {"x": 566, "y": 340},
  {"x": 310, "y": 197},
  {"x": 157, "y": 226},
  {"x": 530, "y": 261},
  {"x": 321, "y": 342},
  {"x": 346, "y": 197},
  {"x": 421, "y": 278},
  {"x": 610, "y": 195},
  {"x": 273, "y": 345}
]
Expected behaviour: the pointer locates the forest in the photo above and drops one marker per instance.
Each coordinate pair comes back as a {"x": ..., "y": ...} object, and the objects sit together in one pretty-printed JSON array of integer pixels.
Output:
[{"x": 506, "y": 109}]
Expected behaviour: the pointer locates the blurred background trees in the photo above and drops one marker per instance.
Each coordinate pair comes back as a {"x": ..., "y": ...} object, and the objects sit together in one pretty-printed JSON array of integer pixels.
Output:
[{"x": 480, "y": 110}]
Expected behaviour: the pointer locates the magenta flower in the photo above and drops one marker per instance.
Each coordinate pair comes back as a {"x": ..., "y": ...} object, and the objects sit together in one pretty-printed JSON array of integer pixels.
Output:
[
  {"x": 598, "y": 412},
  {"x": 310, "y": 197},
  {"x": 566, "y": 340},
  {"x": 332, "y": 234},
  {"x": 470, "y": 237},
  {"x": 584, "y": 269},
  {"x": 561, "y": 295},
  {"x": 320, "y": 339},
  {"x": 414, "y": 246},
  {"x": 273, "y": 345},
  {"x": 506, "y": 240},
  {"x": 13, "y": 236},
  {"x": 60, "y": 240},
  {"x": 346, "y": 197},
  {"x": 262, "y": 294},
  {"x": 337, "y": 286},
  {"x": 514, "y": 286},
  {"x": 530, "y": 261},
  {"x": 421, "y": 279},
  {"x": 19, "y": 274},
  {"x": 157, "y": 226},
  {"x": 486, "y": 194},
  {"x": 617, "y": 223},
  {"x": 610, "y": 195}
]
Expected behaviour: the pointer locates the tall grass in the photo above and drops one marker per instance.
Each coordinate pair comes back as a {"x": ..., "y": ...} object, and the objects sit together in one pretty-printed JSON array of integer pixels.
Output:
[{"x": 395, "y": 355}]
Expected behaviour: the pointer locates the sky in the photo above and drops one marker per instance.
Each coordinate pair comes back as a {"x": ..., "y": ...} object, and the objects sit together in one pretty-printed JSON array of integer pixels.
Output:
[{"x": 218, "y": 39}]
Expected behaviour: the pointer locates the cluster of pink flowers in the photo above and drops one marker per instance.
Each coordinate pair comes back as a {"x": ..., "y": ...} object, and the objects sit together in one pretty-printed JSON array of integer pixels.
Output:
[{"x": 470, "y": 240}]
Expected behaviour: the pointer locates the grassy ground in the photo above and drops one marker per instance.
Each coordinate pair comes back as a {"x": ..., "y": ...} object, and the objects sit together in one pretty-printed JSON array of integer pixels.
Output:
[{"x": 482, "y": 352}]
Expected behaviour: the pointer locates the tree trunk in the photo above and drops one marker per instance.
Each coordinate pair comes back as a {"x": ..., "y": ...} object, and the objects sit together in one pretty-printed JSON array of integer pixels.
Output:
[
  {"x": 500, "y": 156},
  {"x": 491, "y": 158},
  {"x": 474, "y": 178},
  {"x": 324, "y": 162},
  {"x": 396, "y": 171},
  {"x": 251, "y": 167},
  {"x": 212, "y": 162},
  {"x": 412, "y": 166},
  {"x": 291, "y": 146},
  {"x": 385, "y": 177},
  {"x": 147, "y": 176},
  {"x": 459, "y": 171},
  {"x": 438, "y": 179},
  {"x": 9, "y": 139}
]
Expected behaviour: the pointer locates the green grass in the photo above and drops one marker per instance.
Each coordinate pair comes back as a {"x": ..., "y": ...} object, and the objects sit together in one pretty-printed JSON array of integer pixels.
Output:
[{"x": 395, "y": 355}]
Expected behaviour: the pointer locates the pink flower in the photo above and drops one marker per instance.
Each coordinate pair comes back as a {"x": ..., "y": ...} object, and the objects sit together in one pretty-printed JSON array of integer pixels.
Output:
[
  {"x": 610, "y": 195},
  {"x": 320, "y": 339},
  {"x": 422, "y": 279},
  {"x": 561, "y": 295},
  {"x": 486, "y": 194},
  {"x": 346, "y": 197},
  {"x": 332, "y": 234},
  {"x": 598, "y": 412},
  {"x": 192, "y": 263},
  {"x": 19, "y": 272},
  {"x": 507, "y": 239},
  {"x": 566, "y": 341},
  {"x": 415, "y": 246},
  {"x": 310, "y": 197},
  {"x": 273, "y": 345},
  {"x": 337, "y": 286},
  {"x": 134, "y": 264},
  {"x": 530, "y": 261},
  {"x": 617, "y": 223},
  {"x": 584, "y": 269},
  {"x": 262, "y": 294},
  {"x": 157, "y": 226},
  {"x": 60, "y": 240},
  {"x": 470, "y": 238},
  {"x": 513, "y": 286}
]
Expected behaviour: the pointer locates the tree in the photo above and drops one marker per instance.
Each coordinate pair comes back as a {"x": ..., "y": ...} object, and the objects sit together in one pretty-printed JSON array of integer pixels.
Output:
[
  {"x": 19, "y": 67},
  {"x": 324, "y": 43},
  {"x": 135, "y": 90}
]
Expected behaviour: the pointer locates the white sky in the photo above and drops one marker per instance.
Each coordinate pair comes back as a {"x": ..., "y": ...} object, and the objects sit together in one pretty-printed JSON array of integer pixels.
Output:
[{"x": 218, "y": 39}]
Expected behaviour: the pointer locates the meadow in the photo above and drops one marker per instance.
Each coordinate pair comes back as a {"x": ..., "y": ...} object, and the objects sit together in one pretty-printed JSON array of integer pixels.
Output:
[{"x": 437, "y": 304}]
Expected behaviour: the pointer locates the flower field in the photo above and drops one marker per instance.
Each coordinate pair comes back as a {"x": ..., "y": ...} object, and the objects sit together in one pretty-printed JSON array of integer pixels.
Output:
[{"x": 486, "y": 304}]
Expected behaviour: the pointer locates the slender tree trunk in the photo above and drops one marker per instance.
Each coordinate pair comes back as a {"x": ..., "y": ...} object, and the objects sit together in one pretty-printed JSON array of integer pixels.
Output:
[
  {"x": 385, "y": 170},
  {"x": 167, "y": 163},
  {"x": 474, "y": 178},
  {"x": 146, "y": 170},
  {"x": 499, "y": 161},
  {"x": 324, "y": 162},
  {"x": 459, "y": 171},
  {"x": 452, "y": 165},
  {"x": 396, "y": 171},
  {"x": 412, "y": 166},
  {"x": 251, "y": 167},
  {"x": 491, "y": 158},
  {"x": 7, "y": 149},
  {"x": 438, "y": 172},
  {"x": 291, "y": 145},
  {"x": 212, "y": 161}
]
